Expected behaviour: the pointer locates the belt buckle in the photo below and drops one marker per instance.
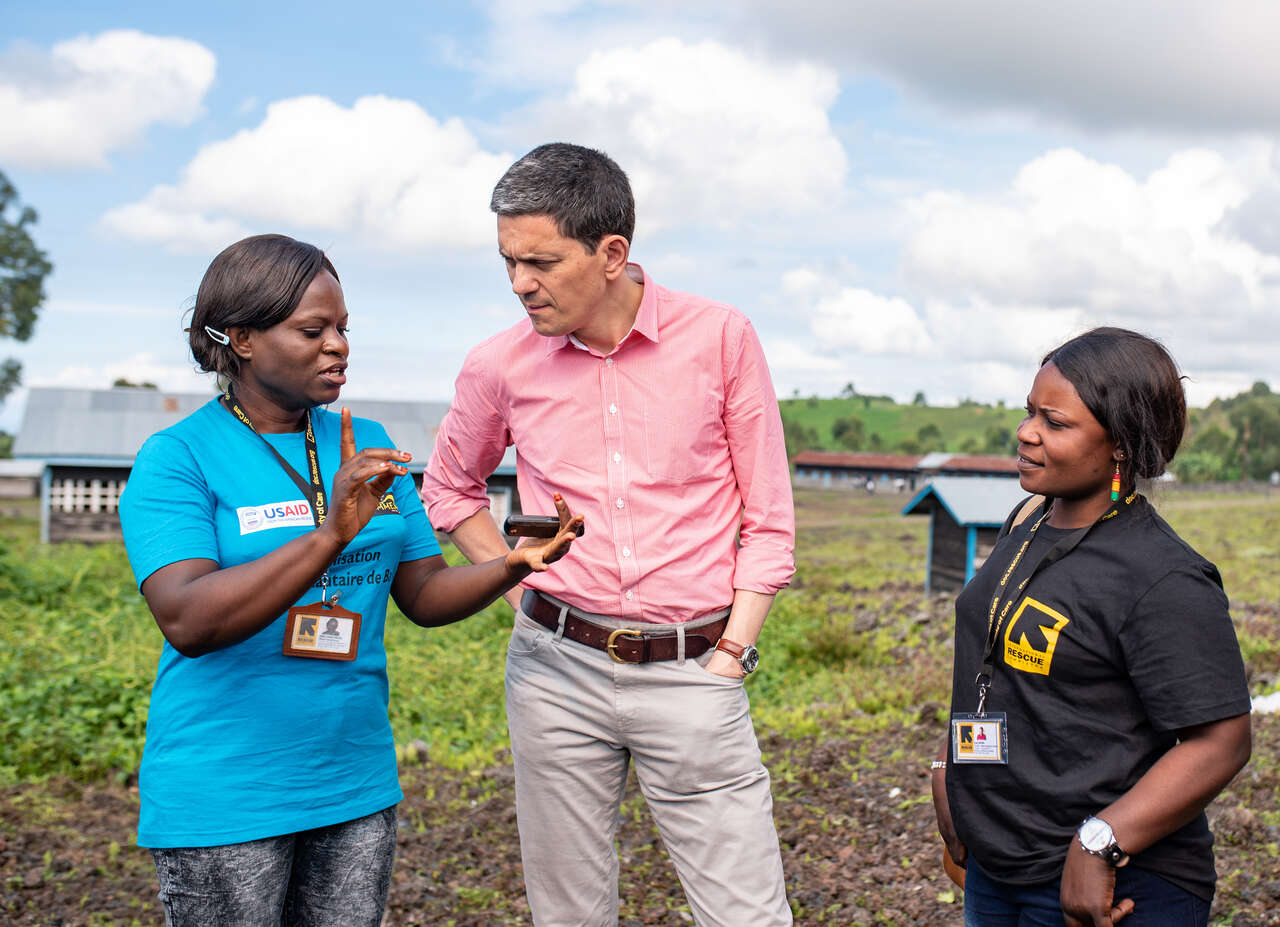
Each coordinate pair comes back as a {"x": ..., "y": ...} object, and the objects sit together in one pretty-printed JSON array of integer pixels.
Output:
[{"x": 613, "y": 642}]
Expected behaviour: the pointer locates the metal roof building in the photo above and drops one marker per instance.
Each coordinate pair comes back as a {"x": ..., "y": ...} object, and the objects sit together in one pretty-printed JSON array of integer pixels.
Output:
[
  {"x": 87, "y": 440},
  {"x": 965, "y": 514},
  {"x": 111, "y": 424}
]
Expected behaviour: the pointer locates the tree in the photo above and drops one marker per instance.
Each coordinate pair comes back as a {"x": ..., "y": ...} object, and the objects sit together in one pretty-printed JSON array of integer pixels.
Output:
[
  {"x": 798, "y": 437},
  {"x": 847, "y": 391},
  {"x": 23, "y": 268},
  {"x": 848, "y": 432},
  {"x": 918, "y": 399},
  {"x": 126, "y": 382},
  {"x": 1257, "y": 426},
  {"x": 998, "y": 440},
  {"x": 929, "y": 437}
]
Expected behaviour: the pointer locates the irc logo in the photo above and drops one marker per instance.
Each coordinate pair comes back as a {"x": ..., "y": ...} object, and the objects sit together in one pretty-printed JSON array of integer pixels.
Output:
[{"x": 1032, "y": 636}]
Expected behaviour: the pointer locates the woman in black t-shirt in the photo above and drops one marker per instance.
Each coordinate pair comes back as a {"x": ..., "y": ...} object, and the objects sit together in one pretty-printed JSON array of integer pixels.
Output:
[{"x": 1110, "y": 704}]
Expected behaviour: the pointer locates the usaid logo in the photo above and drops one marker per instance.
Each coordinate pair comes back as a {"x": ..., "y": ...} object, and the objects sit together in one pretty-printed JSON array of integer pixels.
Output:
[{"x": 294, "y": 514}]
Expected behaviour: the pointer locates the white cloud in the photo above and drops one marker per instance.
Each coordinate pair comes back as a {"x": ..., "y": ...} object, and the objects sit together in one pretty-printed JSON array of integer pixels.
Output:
[
  {"x": 787, "y": 355},
  {"x": 1156, "y": 64},
  {"x": 707, "y": 133},
  {"x": 1071, "y": 243},
  {"x": 71, "y": 106},
  {"x": 1012, "y": 334},
  {"x": 1086, "y": 243},
  {"x": 166, "y": 218},
  {"x": 859, "y": 320},
  {"x": 383, "y": 173},
  {"x": 139, "y": 368},
  {"x": 1167, "y": 65}
]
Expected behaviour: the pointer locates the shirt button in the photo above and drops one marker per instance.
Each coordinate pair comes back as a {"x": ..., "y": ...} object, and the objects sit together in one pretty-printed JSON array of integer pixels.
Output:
[
  {"x": 618, "y": 503},
  {"x": 613, "y": 409},
  {"x": 608, "y": 361},
  {"x": 630, "y": 594},
  {"x": 617, "y": 458},
  {"x": 626, "y": 551}
]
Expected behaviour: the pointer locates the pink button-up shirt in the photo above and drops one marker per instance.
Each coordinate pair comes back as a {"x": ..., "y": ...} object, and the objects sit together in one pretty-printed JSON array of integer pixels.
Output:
[{"x": 671, "y": 446}]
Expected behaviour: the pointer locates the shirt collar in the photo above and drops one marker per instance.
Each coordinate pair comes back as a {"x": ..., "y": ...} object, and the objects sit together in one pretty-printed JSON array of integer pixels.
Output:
[{"x": 645, "y": 325}]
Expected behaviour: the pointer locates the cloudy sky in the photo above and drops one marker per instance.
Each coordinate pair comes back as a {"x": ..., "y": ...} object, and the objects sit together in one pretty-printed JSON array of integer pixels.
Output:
[{"x": 919, "y": 196}]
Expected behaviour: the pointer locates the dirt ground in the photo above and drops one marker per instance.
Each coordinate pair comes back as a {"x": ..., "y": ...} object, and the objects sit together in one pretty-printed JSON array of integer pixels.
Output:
[{"x": 854, "y": 820}]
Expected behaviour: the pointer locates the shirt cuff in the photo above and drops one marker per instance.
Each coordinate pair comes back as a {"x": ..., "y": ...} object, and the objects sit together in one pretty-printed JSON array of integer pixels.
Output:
[{"x": 765, "y": 571}]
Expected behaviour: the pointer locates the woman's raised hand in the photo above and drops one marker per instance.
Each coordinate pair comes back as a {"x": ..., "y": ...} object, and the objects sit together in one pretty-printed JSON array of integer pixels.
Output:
[
  {"x": 361, "y": 482},
  {"x": 537, "y": 556}
]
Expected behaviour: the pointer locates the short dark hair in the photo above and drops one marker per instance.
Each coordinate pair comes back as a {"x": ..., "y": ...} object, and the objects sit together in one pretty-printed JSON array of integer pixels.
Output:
[
  {"x": 582, "y": 189},
  {"x": 1132, "y": 386},
  {"x": 255, "y": 283}
]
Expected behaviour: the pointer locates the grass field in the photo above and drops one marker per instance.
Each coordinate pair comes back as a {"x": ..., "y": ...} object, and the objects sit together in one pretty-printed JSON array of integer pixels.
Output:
[{"x": 848, "y": 702}]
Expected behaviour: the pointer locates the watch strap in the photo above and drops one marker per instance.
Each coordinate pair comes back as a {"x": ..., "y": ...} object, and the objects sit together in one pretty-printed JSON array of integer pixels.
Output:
[{"x": 732, "y": 649}]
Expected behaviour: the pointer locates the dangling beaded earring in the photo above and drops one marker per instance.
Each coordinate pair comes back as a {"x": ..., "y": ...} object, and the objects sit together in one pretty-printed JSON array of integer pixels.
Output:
[{"x": 1115, "y": 484}]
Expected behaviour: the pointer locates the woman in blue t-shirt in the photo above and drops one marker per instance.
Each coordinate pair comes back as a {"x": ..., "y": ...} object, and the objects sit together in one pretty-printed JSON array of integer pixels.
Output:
[
  {"x": 1099, "y": 700},
  {"x": 266, "y": 534}
]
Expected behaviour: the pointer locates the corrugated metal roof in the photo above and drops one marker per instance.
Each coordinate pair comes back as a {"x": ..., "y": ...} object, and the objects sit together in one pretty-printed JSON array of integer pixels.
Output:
[
  {"x": 858, "y": 460},
  {"x": 110, "y": 425},
  {"x": 983, "y": 463},
  {"x": 20, "y": 468},
  {"x": 985, "y": 501},
  {"x": 934, "y": 459}
]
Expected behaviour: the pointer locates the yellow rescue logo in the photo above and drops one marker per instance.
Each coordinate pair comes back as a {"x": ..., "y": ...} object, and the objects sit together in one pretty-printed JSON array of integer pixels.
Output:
[{"x": 1031, "y": 637}]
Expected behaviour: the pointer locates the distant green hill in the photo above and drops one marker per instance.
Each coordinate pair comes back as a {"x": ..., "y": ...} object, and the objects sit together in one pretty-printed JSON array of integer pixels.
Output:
[
  {"x": 1230, "y": 439},
  {"x": 973, "y": 428}
]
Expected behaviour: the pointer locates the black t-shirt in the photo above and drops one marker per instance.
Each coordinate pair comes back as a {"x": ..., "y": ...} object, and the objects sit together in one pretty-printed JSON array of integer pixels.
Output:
[{"x": 1104, "y": 656}]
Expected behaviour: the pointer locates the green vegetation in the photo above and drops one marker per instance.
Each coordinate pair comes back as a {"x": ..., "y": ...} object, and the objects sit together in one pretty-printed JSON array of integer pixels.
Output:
[
  {"x": 1231, "y": 439},
  {"x": 849, "y": 703},
  {"x": 23, "y": 268},
  {"x": 877, "y": 423},
  {"x": 78, "y": 647}
]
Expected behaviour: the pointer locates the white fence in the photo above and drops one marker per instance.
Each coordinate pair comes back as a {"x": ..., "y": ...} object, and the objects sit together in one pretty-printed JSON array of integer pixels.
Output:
[{"x": 68, "y": 495}]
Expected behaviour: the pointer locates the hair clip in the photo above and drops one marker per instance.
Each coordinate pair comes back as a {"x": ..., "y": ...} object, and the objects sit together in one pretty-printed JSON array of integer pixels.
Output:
[{"x": 220, "y": 337}]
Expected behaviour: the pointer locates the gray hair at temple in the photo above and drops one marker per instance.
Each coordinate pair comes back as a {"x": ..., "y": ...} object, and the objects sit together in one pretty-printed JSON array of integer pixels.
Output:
[{"x": 582, "y": 189}]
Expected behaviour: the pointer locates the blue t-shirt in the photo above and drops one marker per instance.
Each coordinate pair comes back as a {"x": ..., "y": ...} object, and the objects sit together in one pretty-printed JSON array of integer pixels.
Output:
[{"x": 245, "y": 742}]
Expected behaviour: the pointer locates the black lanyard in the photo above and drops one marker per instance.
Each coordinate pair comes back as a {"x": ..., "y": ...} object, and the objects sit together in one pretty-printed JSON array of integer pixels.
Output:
[
  {"x": 313, "y": 491},
  {"x": 998, "y": 612}
]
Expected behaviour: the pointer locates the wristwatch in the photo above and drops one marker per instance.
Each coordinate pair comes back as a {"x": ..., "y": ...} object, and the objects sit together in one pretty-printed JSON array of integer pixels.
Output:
[
  {"x": 746, "y": 654},
  {"x": 1096, "y": 837}
]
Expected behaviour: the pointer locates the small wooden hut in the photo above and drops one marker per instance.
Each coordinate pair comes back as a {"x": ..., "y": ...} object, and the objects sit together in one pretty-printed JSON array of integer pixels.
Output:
[{"x": 965, "y": 514}]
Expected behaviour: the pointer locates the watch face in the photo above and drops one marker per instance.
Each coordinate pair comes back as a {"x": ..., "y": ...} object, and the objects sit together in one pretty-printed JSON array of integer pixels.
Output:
[
  {"x": 750, "y": 659},
  {"x": 1095, "y": 835}
]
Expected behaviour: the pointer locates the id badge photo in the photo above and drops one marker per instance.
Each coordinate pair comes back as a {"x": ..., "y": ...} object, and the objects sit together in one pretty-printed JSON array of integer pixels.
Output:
[
  {"x": 322, "y": 631},
  {"x": 979, "y": 738}
]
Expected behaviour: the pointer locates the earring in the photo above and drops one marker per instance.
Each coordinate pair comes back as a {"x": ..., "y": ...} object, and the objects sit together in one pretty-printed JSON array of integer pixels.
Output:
[{"x": 1115, "y": 484}]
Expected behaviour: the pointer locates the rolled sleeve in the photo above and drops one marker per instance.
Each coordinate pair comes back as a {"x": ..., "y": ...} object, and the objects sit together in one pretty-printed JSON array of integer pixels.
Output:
[
  {"x": 753, "y": 424},
  {"x": 469, "y": 446}
]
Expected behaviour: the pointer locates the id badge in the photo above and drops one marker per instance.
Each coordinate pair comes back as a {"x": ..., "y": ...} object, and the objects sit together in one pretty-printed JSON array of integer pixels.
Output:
[
  {"x": 322, "y": 631},
  {"x": 979, "y": 738}
]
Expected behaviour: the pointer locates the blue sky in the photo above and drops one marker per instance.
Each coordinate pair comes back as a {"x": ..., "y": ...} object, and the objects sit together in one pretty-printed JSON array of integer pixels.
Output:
[{"x": 910, "y": 197}]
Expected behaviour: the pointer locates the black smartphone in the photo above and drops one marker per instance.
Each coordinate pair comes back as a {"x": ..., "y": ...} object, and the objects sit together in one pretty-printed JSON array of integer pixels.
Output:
[{"x": 535, "y": 526}]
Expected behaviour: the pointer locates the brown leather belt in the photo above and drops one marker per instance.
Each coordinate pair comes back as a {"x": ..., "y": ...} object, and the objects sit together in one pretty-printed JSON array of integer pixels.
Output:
[{"x": 625, "y": 645}]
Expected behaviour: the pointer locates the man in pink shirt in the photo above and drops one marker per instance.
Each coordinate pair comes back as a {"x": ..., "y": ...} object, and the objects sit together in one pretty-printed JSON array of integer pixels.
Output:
[{"x": 652, "y": 413}]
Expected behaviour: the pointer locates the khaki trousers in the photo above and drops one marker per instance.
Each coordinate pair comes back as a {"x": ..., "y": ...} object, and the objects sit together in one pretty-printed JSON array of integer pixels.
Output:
[{"x": 577, "y": 718}]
